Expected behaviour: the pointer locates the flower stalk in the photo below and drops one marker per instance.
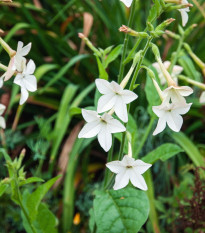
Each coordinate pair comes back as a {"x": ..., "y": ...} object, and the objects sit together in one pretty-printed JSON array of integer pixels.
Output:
[{"x": 8, "y": 49}]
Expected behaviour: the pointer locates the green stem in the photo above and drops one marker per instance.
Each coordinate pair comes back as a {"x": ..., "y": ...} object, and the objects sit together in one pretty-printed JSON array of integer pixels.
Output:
[
  {"x": 145, "y": 136},
  {"x": 150, "y": 193},
  {"x": 174, "y": 61},
  {"x": 109, "y": 158},
  {"x": 122, "y": 65},
  {"x": 140, "y": 63}
]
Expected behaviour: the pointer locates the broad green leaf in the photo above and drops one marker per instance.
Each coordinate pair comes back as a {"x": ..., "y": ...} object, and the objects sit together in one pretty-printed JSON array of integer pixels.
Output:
[
  {"x": 113, "y": 55},
  {"x": 121, "y": 211},
  {"x": 102, "y": 72},
  {"x": 189, "y": 147},
  {"x": 155, "y": 11},
  {"x": 3, "y": 188},
  {"x": 31, "y": 180},
  {"x": 107, "y": 50},
  {"x": 32, "y": 201},
  {"x": 163, "y": 152}
]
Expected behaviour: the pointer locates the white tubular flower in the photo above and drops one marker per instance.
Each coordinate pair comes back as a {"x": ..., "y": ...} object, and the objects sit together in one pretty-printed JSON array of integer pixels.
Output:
[
  {"x": 176, "y": 94},
  {"x": 27, "y": 81},
  {"x": 2, "y": 120},
  {"x": 170, "y": 114},
  {"x": 114, "y": 97},
  {"x": 9, "y": 73},
  {"x": 202, "y": 98},
  {"x": 129, "y": 169},
  {"x": 102, "y": 126},
  {"x": 184, "y": 13},
  {"x": 20, "y": 56},
  {"x": 175, "y": 72},
  {"x": 127, "y": 2}
]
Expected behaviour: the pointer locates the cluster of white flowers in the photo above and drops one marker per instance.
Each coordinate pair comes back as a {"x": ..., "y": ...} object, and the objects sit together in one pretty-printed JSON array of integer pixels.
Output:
[
  {"x": 115, "y": 99},
  {"x": 173, "y": 102},
  {"x": 24, "y": 72}
]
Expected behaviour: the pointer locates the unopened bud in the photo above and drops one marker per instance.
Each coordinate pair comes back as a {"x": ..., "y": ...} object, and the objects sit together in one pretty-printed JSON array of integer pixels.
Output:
[
  {"x": 155, "y": 50},
  {"x": 132, "y": 32},
  {"x": 81, "y": 35},
  {"x": 178, "y": 7},
  {"x": 189, "y": 30},
  {"x": 21, "y": 157}
]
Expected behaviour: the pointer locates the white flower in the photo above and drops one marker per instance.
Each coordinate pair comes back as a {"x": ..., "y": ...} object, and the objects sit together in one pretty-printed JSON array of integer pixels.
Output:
[
  {"x": 129, "y": 169},
  {"x": 176, "y": 93},
  {"x": 114, "y": 96},
  {"x": 127, "y": 2},
  {"x": 170, "y": 114},
  {"x": 20, "y": 56},
  {"x": 26, "y": 80},
  {"x": 175, "y": 72},
  {"x": 184, "y": 13},
  {"x": 2, "y": 120},
  {"x": 102, "y": 126},
  {"x": 202, "y": 98}
]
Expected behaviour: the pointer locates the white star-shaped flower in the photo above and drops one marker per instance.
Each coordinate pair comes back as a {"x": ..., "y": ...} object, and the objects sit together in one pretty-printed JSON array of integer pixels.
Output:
[
  {"x": 176, "y": 94},
  {"x": 184, "y": 13},
  {"x": 102, "y": 126},
  {"x": 27, "y": 81},
  {"x": 129, "y": 169},
  {"x": 127, "y": 3},
  {"x": 20, "y": 56},
  {"x": 175, "y": 72},
  {"x": 114, "y": 97},
  {"x": 2, "y": 120},
  {"x": 170, "y": 114}
]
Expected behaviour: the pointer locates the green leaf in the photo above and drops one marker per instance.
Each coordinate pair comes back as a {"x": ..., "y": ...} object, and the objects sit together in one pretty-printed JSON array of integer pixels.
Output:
[
  {"x": 124, "y": 210},
  {"x": 32, "y": 201},
  {"x": 42, "y": 70},
  {"x": 31, "y": 180},
  {"x": 155, "y": 11},
  {"x": 102, "y": 72},
  {"x": 3, "y": 188},
  {"x": 189, "y": 147},
  {"x": 163, "y": 152},
  {"x": 113, "y": 55}
]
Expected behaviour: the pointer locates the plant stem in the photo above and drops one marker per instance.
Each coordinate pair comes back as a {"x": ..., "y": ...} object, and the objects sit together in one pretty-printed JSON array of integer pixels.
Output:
[
  {"x": 145, "y": 136},
  {"x": 150, "y": 193},
  {"x": 174, "y": 61},
  {"x": 140, "y": 63},
  {"x": 109, "y": 158},
  {"x": 122, "y": 65}
]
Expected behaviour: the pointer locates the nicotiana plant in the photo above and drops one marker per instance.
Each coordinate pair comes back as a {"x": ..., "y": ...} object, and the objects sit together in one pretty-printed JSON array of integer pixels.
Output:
[{"x": 121, "y": 204}]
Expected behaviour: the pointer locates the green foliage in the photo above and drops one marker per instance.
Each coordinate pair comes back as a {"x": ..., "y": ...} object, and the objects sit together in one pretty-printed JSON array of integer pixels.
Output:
[{"x": 124, "y": 210}]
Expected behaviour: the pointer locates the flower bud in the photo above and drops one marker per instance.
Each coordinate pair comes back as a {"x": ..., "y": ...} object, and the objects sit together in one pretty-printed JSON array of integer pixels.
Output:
[
  {"x": 132, "y": 32},
  {"x": 163, "y": 25},
  {"x": 172, "y": 34},
  {"x": 189, "y": 30}
]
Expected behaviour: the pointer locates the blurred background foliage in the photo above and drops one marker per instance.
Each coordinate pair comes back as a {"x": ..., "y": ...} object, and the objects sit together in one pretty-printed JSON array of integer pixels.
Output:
[{"x": 48, "y": 124}]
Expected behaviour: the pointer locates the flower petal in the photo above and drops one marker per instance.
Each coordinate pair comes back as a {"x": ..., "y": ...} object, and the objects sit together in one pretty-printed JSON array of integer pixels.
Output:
[
  {"x": 121, "y": 180},
  {"x": 184, "y": 16},
  {"x": 116, "y": 87},
  {"x": 24, "y": 95},
  {"x": 2, "y": 122},
  {"x": 105, "y": 138},
  {"x": 103, "y": 86},
  {"x": 158, "y": 110},
  {"x": 115, "y": 126},
  {"x": 184, "y": 90},
  {"x": 90, "y": 130},
  {"x": 90, "y": 115},
  {"x": 30, "y": 83},
  {"x": 160, "y": 125},
  {"x": 140, "y": 166},
  {"x": 137, "y": 180},
  {"x": 182, "y": 109},
  {"x": 30, "y": 68},
  {"x": 106, "y": 102},
  {"x": 19, "y": 46},
  {"x": 174, "y": 121},
  {"x": 115, "y": 166},
  {"x": 128, "y": 96},
  {"x": 202, "y": 98},
  {"x": 127, "y": 161},
  {"x": 18, "y": 80},
  {"x": 25, "y": 50},
  {"x": 127, "y": 2},
  {"x": 121, "y": 109}
]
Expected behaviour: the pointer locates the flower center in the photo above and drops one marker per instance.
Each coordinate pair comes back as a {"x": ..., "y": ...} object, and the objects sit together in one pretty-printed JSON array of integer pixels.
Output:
[{"x": 128, "y": 166}]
